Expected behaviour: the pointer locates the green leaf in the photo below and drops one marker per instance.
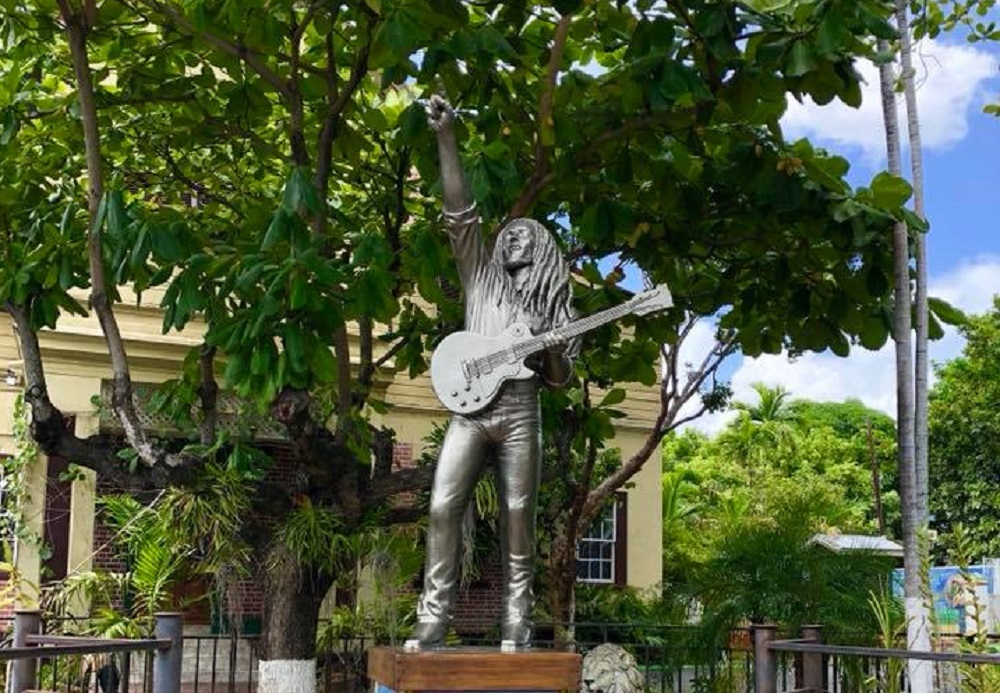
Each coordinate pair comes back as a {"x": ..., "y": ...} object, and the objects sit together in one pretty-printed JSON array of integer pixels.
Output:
[
  {"x": 890, "y": 192},
  {"x": 878, "y": 282},
  {"x": 295, "y": 347},
  {"x": 299, "y": 294},
  {"x": 768, "y": 6},
  {"x": 947, "y": 313},
  {"x": 236, "y": 367},
  {"x": 300, "y": 193},
  {"x": 165, "y": 242},
  {"x": 277, "y": 231},
  {"x": 323, "y": 364},
  {"x": 801, "y": 59},
  {"x": 934, "y": 329},
  {"x": 117, "y": 221},
  {"x": 613, "y": 397}
]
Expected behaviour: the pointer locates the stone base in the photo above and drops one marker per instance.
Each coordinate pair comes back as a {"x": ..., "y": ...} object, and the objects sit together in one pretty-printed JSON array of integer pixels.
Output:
[{"x": 393, "y": 670}]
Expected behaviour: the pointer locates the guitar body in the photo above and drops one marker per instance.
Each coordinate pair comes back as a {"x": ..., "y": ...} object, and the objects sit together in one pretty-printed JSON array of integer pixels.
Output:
[
  {"x": 463, "y": 382},
  {"x": 468, "y": 370}
]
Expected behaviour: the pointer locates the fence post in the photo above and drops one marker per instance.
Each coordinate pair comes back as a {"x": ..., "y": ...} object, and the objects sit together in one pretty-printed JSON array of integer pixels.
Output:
[
  {"x": 167, "y": 663},
  {"x": 765, "y": 662},
  {"x": 812, "y": 662},
  {"x": 24, "y": 672}
]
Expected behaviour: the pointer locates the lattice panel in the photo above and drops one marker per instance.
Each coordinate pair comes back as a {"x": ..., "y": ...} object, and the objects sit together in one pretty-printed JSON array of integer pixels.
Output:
[{"x": 235, "y": 415}]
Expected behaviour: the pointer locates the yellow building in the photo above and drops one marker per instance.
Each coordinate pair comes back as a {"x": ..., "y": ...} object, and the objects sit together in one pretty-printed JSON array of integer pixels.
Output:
[{"x": 78, "y": 369}]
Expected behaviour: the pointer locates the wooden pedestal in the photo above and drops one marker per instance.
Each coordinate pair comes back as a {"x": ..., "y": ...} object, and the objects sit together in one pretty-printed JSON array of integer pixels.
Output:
[{"x": 472, "y": 669}]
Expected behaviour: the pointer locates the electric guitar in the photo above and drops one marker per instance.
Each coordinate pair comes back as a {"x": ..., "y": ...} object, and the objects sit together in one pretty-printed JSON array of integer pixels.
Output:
[{"x": 468, "y": 370}]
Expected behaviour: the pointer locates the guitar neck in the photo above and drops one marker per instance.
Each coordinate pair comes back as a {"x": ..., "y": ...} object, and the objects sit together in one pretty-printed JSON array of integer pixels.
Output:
[{"x": 574, "y": 329}]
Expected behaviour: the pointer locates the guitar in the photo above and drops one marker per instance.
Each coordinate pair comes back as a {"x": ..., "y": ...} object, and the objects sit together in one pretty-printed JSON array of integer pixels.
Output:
[{"x": 468, "y": 370}]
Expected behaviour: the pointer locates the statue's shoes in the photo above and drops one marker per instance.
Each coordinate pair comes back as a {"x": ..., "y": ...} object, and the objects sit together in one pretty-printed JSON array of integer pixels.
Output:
[
  {"x": 515, "y": 635},
  {"x": 426, "y": 636}
]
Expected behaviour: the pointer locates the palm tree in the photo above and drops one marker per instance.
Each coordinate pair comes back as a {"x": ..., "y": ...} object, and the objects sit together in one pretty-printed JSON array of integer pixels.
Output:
[
  {"x": 762, "y": 429},
  {"x": 920, "y": 674},
  {"x": 123, "y": 602},
  {"x": 772, "y": 405}
]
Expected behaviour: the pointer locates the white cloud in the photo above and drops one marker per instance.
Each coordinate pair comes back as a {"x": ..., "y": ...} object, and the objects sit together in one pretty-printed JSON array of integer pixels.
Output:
[
  {"x": 865, "y": 375},
  {"x": 951, "y": 80}
]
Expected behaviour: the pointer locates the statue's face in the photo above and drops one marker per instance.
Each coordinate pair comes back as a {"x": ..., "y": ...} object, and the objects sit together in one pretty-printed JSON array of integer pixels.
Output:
[{"x": 518, "y": 246}]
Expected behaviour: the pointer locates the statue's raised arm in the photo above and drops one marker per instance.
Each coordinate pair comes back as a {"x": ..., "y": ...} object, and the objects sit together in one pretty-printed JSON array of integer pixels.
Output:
[
  {"x": 441, "y": 118},
  {"x": 461, "y": 218}
]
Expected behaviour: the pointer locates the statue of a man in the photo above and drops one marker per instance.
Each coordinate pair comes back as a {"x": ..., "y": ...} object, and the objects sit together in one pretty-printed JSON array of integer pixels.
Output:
[{"x": 525, "y": 280}]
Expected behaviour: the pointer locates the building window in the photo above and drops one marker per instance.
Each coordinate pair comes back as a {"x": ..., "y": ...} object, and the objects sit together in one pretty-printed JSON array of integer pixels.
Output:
[
  {"x": 8, "y": 518},
  {"x": 600, "y": 554}
]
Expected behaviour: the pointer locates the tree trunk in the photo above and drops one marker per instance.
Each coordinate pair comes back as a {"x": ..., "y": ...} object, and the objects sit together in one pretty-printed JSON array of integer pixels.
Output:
[
  {"x": 918, "y": 628},
  {"x": 920, "y": 314},
  {"x": 920, "y": 673},
  {"x": 560, "y": 595},
  {"x": 292, "y": 597}
]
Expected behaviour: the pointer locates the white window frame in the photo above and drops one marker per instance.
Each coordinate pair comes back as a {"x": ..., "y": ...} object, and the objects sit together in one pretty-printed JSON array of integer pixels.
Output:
[{"x": 589, "y": 568}]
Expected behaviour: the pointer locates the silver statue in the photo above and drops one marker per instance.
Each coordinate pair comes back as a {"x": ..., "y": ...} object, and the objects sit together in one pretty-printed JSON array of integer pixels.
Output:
[{"x": 523, "y": 280}]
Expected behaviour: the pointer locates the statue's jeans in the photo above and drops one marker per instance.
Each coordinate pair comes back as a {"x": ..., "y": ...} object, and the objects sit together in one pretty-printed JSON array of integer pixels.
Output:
[{"x": 511, "y": 428}]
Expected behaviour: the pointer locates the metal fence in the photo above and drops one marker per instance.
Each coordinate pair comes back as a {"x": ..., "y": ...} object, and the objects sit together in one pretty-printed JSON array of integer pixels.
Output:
[
  {"x": 35, "y": 658},
  {"x": 670, "y": 658},
  {"x": 807, "y": 665}
]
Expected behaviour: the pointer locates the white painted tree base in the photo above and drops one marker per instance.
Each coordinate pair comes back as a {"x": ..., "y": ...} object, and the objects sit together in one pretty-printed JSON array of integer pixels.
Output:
[
  {"x": 287, "y": 676},
  {"x": 920, "y": 673}
]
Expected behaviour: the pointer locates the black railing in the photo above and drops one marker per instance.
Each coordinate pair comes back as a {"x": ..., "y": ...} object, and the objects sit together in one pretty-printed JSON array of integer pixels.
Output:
[
  {"x": 34, "y": 655},
  {"x": 807, "y": 665},
  {"x": 669, "y": 657}
]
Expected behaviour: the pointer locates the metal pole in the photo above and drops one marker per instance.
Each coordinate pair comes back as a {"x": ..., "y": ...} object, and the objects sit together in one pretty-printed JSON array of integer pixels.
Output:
[
  {"x": 812, "y": 662},
  {"x": 24, "y": 672},
  {"x": 167, "y": 663},
  {"x": 765, "y": 662}
]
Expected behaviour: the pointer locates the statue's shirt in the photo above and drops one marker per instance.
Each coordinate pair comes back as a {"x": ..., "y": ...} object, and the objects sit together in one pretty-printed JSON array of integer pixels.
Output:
[{"x": 488, "y": 311}]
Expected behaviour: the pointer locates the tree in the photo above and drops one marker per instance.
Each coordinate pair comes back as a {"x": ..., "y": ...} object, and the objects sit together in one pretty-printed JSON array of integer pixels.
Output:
[
  {"x": 965, "y": 458},
  {"x": 872, "y": 438},
  {"x": 744, "y": 551},
  {"x": 583, "y": 475},
  {"x": 911, "y": 369},
  {"x": 972, "y": 17},
  {"x": 255, "y": 162}
]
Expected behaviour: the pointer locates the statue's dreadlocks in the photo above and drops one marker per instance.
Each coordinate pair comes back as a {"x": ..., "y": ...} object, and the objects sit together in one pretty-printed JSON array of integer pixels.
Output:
[{"x": 547, "y": 292}]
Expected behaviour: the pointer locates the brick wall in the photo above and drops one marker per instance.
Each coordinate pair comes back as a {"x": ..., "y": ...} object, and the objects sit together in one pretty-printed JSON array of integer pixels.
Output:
[
  {"x": 6, "y": 610},
  {"x": 477, "y": 609}
]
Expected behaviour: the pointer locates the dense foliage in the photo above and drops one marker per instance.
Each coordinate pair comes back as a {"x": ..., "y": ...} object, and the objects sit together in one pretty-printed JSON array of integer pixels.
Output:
[
  {"x": 964, "y": 449},
  {"x": 741, "y": 508}
]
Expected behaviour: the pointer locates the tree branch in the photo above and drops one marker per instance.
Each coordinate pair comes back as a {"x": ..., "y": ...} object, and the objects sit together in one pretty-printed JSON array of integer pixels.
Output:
[
  {"x": 338, "y": 101},
  {"x": 541, "y": 177},
  {"x": 234, "y": 49},
  {"x": 548, "y": 89},
  {"x": 666, "y": 421},
  {"x": 342, "y": 351},
  {"x": 194, "y": 185},
  {"x": 403, "y": 481},
  {"x": 390, "y": 353},
  {"x": 367, "y": 370},
  {"x": 208, "y": 392},
  {"x": 48, "y": 425},
  {"x": 122, "y": 402},
  {"x": 537, "y": 183}
]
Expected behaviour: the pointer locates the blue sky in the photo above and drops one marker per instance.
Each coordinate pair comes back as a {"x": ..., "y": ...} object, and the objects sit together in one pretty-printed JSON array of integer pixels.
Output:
[{"x": 962, "y": 182}]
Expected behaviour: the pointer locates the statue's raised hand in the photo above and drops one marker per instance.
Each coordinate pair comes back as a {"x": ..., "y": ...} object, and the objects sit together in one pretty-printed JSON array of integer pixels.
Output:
[{"x": 440, "y": 114}]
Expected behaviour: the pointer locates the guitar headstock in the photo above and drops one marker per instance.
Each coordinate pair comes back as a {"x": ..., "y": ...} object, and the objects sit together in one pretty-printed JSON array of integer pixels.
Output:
[{"x": 656, "y": 299}]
